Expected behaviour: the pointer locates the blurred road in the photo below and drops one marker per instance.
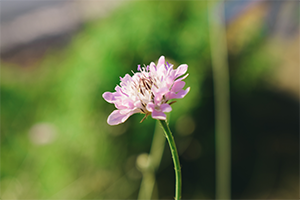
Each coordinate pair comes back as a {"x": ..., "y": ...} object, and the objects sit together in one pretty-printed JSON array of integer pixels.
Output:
[
  {"x": 13, "y": 8},
  {"x": 23, "y": 22}
]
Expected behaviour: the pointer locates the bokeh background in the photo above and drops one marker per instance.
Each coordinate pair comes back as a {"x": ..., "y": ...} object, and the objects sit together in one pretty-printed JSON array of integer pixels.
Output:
[{"x": 59, "y": 57}]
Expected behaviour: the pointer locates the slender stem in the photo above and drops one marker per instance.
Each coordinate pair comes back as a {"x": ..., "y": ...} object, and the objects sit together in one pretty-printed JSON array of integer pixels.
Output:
[
  {"x": 222, "y": 99},
  {"x": 175, "y": 157},
  {"x": 155, "y": 155}
]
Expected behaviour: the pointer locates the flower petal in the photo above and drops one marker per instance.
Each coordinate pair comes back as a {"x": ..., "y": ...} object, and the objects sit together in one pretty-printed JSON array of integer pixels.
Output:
[
  {"x": 150, "y": 107},
  {"x": 137, "y": 104},
  {"x": 119, "y": 116},
  {"x": 152, "y": 67},
  {"x": 178, "y": 85},
  {"x": 109, "y": 97},
  {"x": 178, "y": 95},
  {"x": 161, "y": 61},
  {"x": 116, "y": 117},
  {"x": 181, "y": 70},
  {"x": 126, "y": 80},
  {"x": 182, "y": 77},
  {"x": 158, "y": 93},
  {"x": 166, "y": 107},
  {"x": 128, "y": 103},
  {"x": 158, "y": 115},
  {"x": 181, "y": 94},
  {"x": 119, "y": 105}
]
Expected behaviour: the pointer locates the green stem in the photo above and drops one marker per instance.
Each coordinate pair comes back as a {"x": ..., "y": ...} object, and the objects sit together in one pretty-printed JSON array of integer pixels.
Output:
[
  {"x": 222, "y": 99},
  {"x": 175, "y": 157}
]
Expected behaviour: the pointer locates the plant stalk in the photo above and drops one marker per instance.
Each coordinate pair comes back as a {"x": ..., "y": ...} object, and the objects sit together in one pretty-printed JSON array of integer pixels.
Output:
[
  {"x": 220, "y": 71},
  {"x": 175, "y": 157}
]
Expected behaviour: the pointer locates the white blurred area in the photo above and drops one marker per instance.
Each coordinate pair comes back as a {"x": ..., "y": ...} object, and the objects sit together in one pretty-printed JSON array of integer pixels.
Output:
[
  {"x": 42, "y": 133},
  {"x": 23, "y": 22}
]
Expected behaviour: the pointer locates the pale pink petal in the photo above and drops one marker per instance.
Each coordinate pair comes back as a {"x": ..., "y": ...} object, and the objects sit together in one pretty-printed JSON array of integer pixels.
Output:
[
  {"x": 168, "y": 95},
  {"x": 152, "y": 67},
  {"x": 156, "y": 90},
  {"x": 125, "y": 111},
  {"x": 161, "y": 70},
  {"x": 150, "y": 107},
  {"x": 116, "y": 117},
  {"x": 127, "y": 78},
  {"x": 172, "y": 74},
  {"x": 109, "y": 97},
  {"x": 182, "y": 77},
  {"x": 158, "y": 115},
  {"x": 158, "y": 93},
  {"x": 119, "y": 116},
  {"x": 180, "y": 94},
  {"x": 166, "y": 107},
  {"x": 178, "y": 85},
  {"x": 185, "y": 92},
  {"x": 128, "y": 103},
  {"x": 181, "y": 70},
  {"x": 118, "y": 88},
  {"x": 169, "y": 82},
  {"x": 161, "y": 61},
  {"x": 118, "y": 94},
  {"x": 119, "y": 105},
  {"x": 137, "y": 104}
]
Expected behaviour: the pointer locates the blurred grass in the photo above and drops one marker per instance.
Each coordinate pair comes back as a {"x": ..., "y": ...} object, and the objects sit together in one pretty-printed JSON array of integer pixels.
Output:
[{"x": 88, "y": 158}]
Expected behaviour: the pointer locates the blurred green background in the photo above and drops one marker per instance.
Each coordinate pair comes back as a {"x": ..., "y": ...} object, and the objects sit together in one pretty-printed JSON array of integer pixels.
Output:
[{"x": 56, "y": 144}]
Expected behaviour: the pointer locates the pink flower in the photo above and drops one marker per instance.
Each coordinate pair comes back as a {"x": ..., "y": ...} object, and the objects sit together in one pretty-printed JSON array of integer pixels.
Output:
[{"x": 148, "y": 91}]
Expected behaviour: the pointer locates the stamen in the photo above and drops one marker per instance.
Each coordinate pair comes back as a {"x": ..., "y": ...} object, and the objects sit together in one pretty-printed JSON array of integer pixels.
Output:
[
  {"x": 143, "y": 104},
  {"x": 142, "y": 110},
  {"x": 172, "y": 102},
  {"x": 141, "y": 91},
  {"x": 148, "y": 86},
  {"x": 145, "y": 117}
]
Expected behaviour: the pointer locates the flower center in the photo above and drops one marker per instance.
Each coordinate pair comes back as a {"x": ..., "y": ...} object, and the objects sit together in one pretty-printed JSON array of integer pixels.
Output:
[{"x": 145, "y": 85}]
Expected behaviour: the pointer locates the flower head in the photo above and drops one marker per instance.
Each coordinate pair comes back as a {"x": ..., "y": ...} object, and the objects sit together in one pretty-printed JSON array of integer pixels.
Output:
[{"x": 148, "y": 91}]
